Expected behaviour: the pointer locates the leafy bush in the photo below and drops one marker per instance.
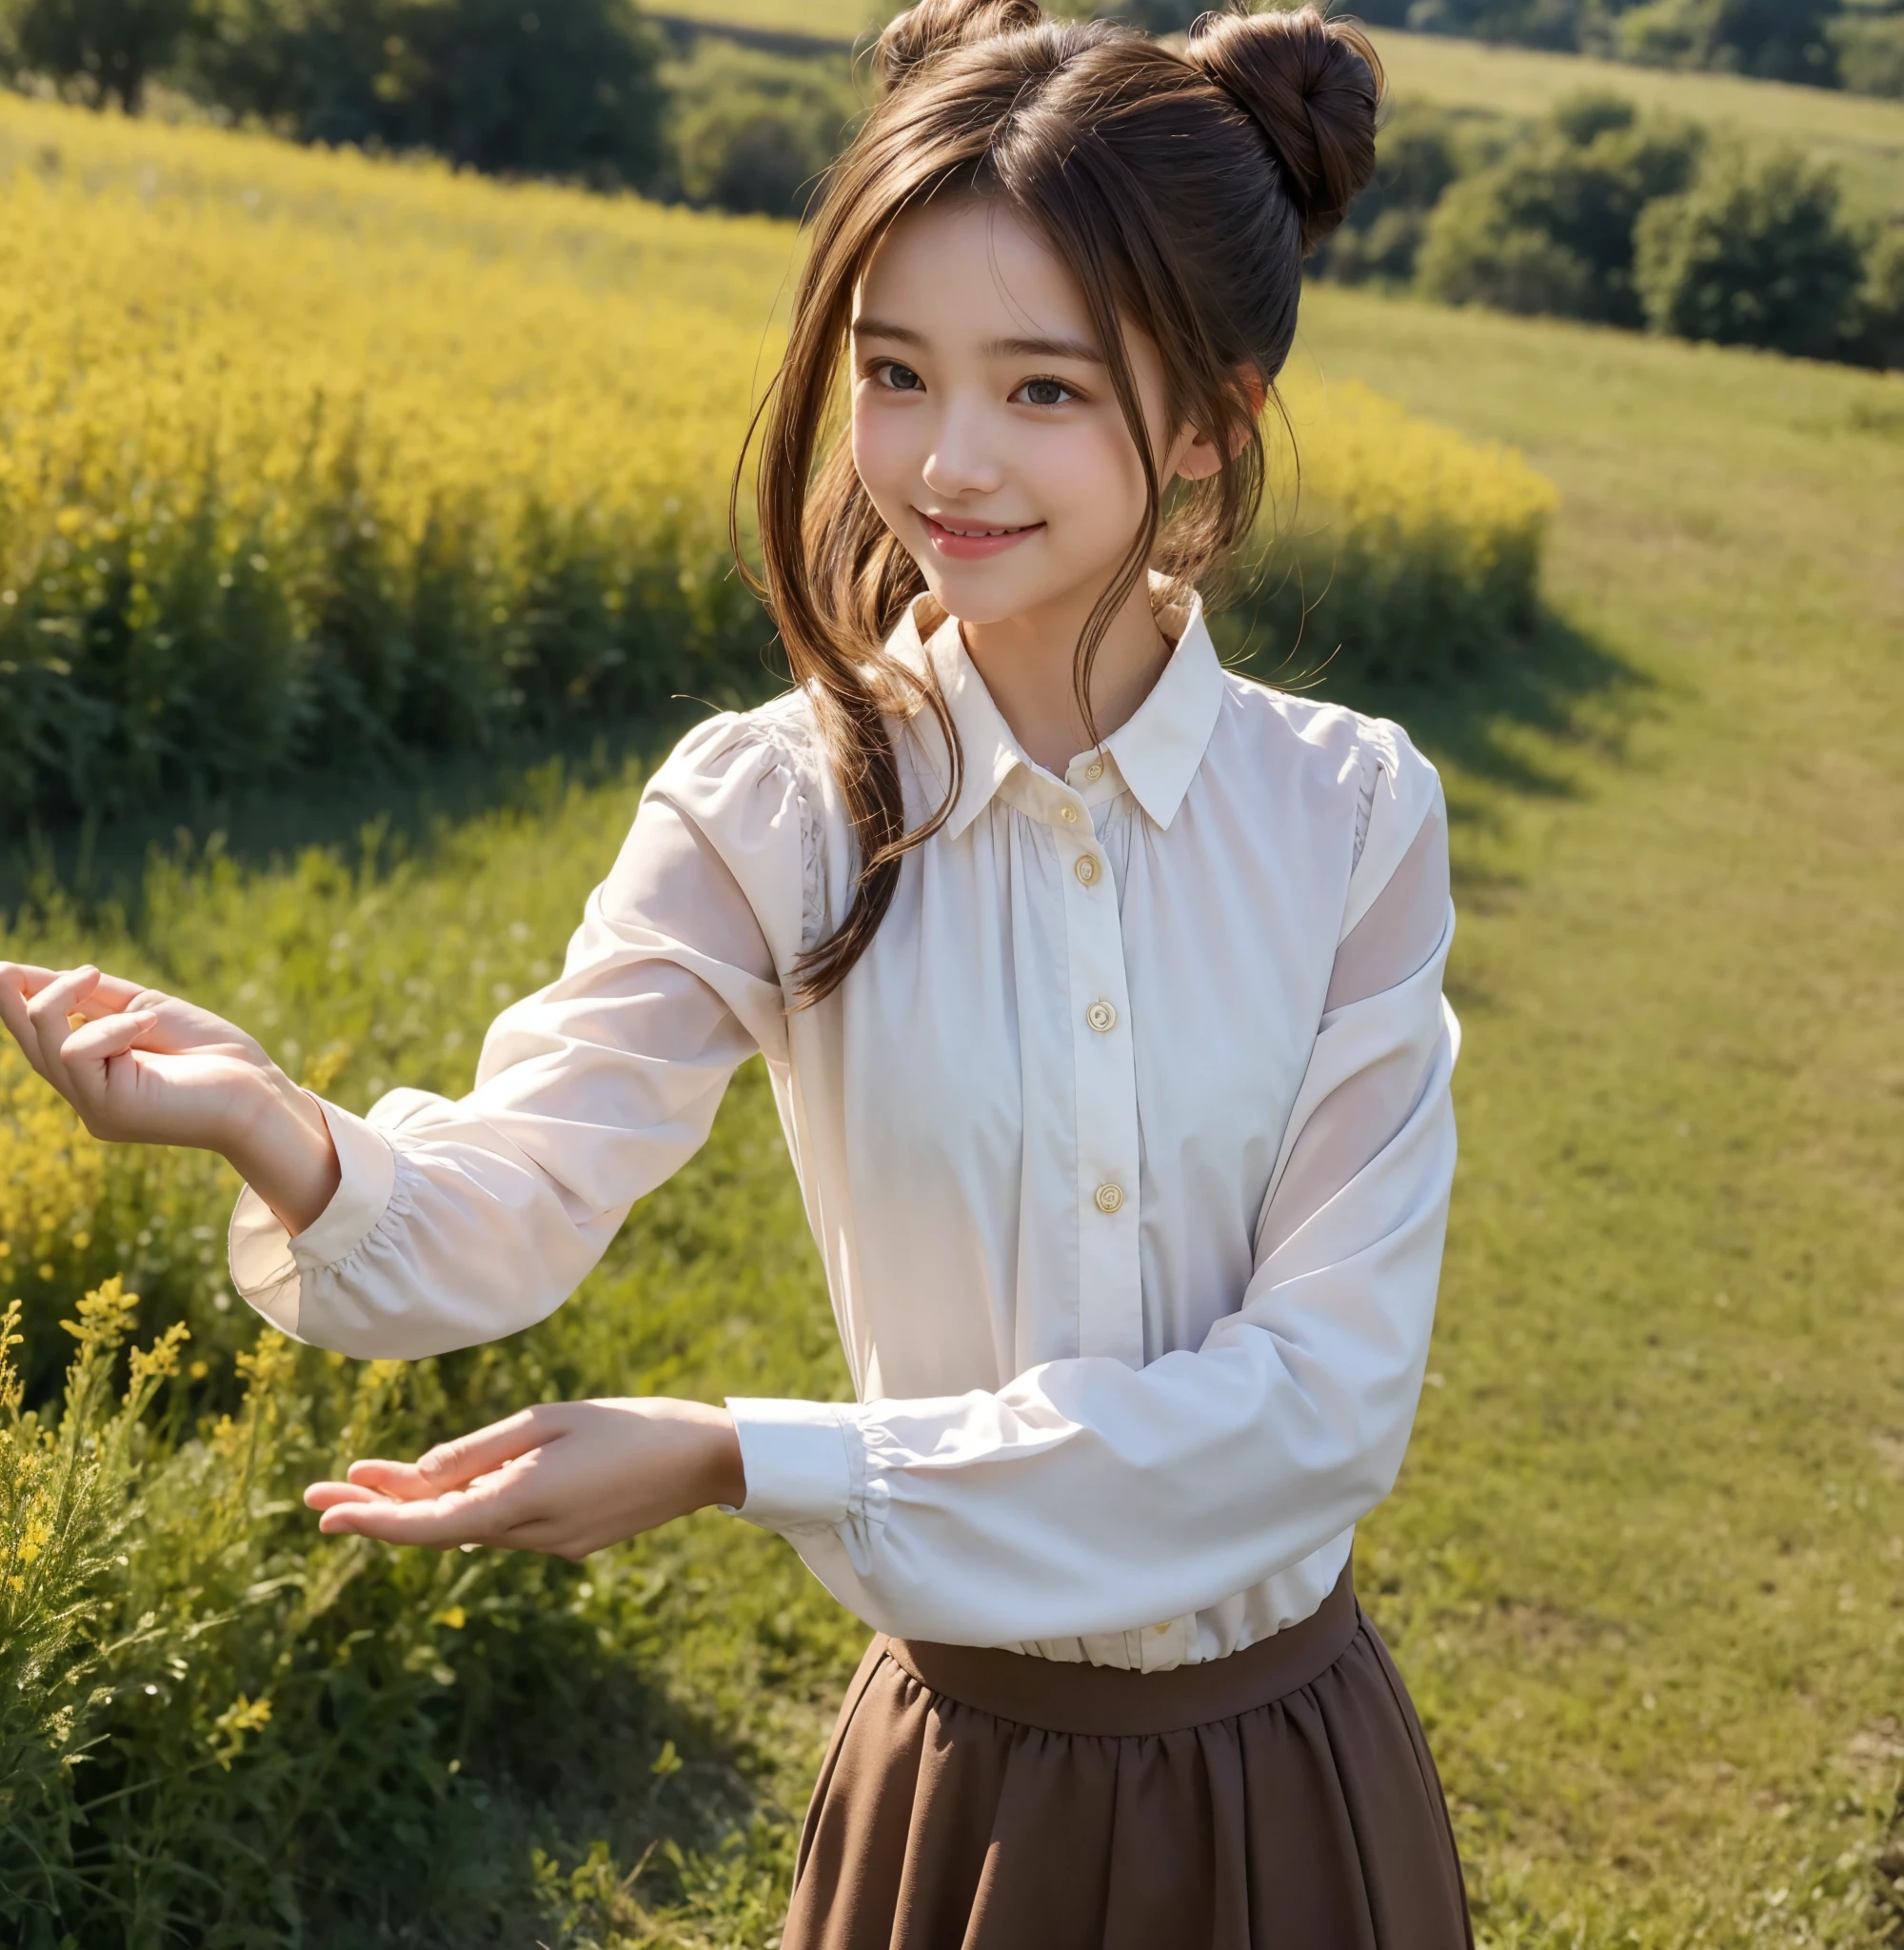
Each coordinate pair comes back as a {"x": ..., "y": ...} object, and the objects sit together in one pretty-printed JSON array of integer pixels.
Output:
[
  {"x": 563, "y": 88},
  {"x": 1779, "y": 40},
  {"x": 1877, "y": 335},
  {"x": 1420, "y": 153},
  {"x": 102, "y": 51},
  {"x": 1549, "y": 227},
  {"x": 1870, "y": 50},
  {"x": 1756, "y": 253},
  {"x": 755, "y": 132}
]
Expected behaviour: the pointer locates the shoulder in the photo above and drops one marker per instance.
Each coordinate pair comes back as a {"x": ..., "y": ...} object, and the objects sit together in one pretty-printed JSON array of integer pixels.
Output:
[
  {"x": 757, "y": 786},
  {"x": 1320, "y": 745}
]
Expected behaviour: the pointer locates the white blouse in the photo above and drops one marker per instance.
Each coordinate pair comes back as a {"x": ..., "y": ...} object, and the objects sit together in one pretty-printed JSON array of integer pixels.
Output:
[{"x": 1127, "y": 1147}]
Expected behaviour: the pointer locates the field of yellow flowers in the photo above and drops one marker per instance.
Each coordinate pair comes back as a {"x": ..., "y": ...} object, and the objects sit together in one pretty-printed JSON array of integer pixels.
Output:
[{"x": 308, "y": 461}]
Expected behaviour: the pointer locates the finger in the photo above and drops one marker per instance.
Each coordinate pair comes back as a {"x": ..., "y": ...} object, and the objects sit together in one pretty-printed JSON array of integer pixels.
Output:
[
  {"x": 109, "y": 1036},
  {"x": 404, "y": 1480},
  {"x": 46, "y": 1019},
  {"x": 441, "y": 1521},
  {"x": 324, "y": 1495},
  {"x": 19, "y": 982},
  {"x": 459, "y": 1463}
]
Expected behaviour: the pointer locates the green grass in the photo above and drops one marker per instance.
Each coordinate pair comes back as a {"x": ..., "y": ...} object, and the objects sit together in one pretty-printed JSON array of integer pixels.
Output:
[
  {"x": 838, "y": 20},
  {"x": 1648, "y": 1555},
  {"x": 1645, "y": 1568}
]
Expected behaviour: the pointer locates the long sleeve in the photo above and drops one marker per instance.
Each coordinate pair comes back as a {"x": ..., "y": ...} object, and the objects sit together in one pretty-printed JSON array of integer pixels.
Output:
[
  {"x": 459, "y": 1222},
  {"x": 1087, "y": 1497}
]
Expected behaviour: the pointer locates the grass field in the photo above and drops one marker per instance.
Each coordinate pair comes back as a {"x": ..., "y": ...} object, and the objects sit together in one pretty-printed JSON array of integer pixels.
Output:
[{"x": 1645, "y": 1568}]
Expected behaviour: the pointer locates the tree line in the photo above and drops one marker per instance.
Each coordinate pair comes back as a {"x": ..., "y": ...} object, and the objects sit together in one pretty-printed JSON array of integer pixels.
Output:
[
  {"x": 1852, "y": 44},
  {"x": 1596, "y": 211},
  {"x": 586, "y": 90}
]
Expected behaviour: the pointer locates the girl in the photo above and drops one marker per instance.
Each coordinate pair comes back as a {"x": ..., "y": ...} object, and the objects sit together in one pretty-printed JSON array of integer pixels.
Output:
[{"x": 1101, "y": 992}]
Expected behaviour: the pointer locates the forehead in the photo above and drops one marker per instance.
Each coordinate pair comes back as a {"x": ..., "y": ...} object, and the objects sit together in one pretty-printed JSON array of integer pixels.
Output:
[{"x": 972, "y": 268}]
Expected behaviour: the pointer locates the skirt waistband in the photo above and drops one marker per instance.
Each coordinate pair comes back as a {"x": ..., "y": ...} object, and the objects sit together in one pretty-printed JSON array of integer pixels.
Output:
[{"x": 1059, "y": 1697}]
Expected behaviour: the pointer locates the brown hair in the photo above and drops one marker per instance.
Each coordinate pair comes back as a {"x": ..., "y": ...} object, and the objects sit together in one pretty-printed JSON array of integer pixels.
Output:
[{"x": 1181, "y": 187}]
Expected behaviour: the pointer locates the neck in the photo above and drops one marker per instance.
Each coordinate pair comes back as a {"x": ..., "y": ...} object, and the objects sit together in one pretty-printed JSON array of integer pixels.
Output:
[{"x": 1027, "y": 662}]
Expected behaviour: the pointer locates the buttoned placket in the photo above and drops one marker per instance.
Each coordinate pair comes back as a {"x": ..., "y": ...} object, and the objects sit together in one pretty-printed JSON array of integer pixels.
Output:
[{"x": 1104, "y": 1068}]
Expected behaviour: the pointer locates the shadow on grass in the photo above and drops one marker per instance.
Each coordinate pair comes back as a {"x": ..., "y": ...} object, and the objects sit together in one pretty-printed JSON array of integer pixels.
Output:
[{"x": 276, "y": 819}]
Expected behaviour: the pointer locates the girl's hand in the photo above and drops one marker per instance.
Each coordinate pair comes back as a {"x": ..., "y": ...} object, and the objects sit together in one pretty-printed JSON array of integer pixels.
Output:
[
  {"x": 143, "y": 1068},
  {"x": 567, "y": 1478}
]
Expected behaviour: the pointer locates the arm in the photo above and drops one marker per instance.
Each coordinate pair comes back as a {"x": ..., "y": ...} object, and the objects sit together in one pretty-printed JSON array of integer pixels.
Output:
[
  {"x": 1088, "y": 1498},
  {"x": 458, "y": 1221}
]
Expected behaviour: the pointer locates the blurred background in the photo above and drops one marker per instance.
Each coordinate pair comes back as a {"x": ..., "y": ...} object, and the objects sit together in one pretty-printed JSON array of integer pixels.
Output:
[{"x": 372, "y": 373}]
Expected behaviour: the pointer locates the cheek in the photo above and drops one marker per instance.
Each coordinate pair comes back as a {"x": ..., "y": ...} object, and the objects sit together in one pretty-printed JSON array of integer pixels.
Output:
[
  {"x": 1091, "y": 474},
  {"x": 885, "y": 452}
]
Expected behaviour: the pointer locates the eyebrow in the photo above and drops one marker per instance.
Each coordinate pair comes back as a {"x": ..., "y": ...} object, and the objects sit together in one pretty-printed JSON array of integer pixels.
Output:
[{"x": 993, "y": 349}]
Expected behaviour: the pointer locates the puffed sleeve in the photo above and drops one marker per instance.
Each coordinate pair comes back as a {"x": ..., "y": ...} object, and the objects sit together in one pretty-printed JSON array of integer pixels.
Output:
[
  {"x": 1089, "y": 1498},
  {"x": 460, "y": 1221}
]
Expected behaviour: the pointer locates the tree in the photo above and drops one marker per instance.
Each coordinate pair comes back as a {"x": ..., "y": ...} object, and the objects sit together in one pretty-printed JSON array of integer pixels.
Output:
[
  {"x": 1419, "y": 155},
  {"x": 102, "y": 51},
  {"x": 755, "y": 132},
  {"x": 1549, "y": 227},
  {"x": 1781, "y": 40},
  {"x": 552, "y": 88},
  {"x": 1755, "y": 252}
]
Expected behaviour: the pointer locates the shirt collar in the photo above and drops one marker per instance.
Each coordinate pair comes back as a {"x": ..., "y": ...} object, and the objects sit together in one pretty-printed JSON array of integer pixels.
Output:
[{"x": 1156, "y": 751}]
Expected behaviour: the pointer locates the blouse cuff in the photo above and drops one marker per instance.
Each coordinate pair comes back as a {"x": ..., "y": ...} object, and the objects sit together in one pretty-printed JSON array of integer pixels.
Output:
[
  {"x": 266, "y": 1262},
  {"x": 804, "y": 1462}
]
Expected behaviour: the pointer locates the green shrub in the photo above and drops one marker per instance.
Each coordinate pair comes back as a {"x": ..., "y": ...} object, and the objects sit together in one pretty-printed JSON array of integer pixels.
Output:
[
  {"x": 1878, "y": 334},
  {"x": 1779, "y": 40},
  {"x": 1870, "y": 47},
  {"x": 1549, "y": 227},
  {"x": 100, "y": 50},
  {"x": 1756, "y": 253},
  {"x": 755, "y": 132},
  {"x": 1419, "y": 152},
  {"x": 559, "y": 88}
]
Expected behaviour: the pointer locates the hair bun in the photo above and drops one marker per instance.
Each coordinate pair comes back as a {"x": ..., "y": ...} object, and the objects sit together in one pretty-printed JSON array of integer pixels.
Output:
[
  {"x": 932, "y": 27},
  {"x": 1313, "y": 86}
]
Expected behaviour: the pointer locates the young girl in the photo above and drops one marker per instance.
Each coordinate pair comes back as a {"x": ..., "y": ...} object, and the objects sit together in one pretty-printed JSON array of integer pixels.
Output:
[{"x": 1101, "y": 991}]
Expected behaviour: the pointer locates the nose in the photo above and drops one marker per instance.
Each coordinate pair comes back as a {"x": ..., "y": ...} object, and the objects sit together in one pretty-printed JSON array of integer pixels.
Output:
[{"x": 963, "y": 459}]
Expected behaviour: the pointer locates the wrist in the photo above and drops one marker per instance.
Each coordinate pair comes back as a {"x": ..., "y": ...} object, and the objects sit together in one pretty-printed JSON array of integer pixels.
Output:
[
  {"x": 725, "y": 1471},
  {"x": 279, "y": 1143}
]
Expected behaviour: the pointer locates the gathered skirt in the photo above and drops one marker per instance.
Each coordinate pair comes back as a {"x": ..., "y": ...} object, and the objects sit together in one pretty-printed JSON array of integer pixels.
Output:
[{"x": 1281, "y": 1799}]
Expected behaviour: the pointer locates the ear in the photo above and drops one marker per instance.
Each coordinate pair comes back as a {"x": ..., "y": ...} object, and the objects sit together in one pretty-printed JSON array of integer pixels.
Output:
[{"x": 1197, "y": 456}]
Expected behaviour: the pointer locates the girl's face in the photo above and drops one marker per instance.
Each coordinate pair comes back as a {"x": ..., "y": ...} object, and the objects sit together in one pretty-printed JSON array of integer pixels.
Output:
[{"x": 984, "y": 425}]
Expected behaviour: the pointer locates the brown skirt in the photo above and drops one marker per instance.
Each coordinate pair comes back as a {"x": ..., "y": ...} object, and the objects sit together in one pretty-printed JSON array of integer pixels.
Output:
[{"x": 1282, "y": 1798}]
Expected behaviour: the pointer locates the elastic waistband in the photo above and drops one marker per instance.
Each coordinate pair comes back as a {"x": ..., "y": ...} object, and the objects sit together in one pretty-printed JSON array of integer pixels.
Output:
[{"x": 1060, "y": 1697}]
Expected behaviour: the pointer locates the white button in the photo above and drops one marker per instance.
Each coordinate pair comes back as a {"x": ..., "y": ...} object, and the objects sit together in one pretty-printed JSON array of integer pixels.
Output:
[
  {"x": 1087, "y": 870},
  {"x": 1095, "y": 771},
  {"x": 1101, "y": 1016},
  {"x": 1110, "y": 1198},
  {"x": 1068, "y": 814}
]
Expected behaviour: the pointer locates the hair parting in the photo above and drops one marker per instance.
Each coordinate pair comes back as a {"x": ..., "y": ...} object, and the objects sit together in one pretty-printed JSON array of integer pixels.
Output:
[{"x": 1181, "y": 187}]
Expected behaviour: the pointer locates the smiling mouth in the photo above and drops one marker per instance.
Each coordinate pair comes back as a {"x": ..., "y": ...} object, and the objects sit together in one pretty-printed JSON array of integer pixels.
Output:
[{"x": 973, "y": 534}]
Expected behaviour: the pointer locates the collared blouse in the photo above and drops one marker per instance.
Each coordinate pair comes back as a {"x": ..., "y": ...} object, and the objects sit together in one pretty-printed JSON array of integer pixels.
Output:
[{"x": 1127, "y": 1147}]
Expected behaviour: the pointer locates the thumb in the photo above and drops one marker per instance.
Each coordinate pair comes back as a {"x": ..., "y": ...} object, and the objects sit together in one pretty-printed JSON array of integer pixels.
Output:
[{"x": 108, "y": 1037}]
